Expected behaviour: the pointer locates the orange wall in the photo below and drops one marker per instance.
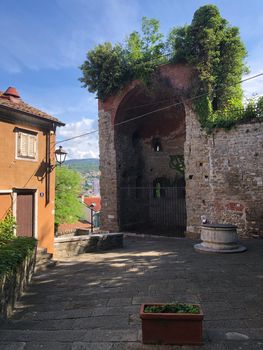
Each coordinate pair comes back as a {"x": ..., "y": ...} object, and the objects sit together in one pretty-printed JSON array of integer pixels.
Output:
[
  {"x": 5, "y": 204},
  {"x": 21, "y": 174}
]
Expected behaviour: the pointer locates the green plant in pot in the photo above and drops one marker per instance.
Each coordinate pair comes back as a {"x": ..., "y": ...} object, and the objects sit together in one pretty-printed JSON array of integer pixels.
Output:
[{"x": 173, "y": 323}]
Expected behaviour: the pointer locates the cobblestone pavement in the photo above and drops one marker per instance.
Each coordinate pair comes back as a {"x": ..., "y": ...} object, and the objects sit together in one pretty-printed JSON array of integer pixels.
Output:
[{"x": 92, "y": 301}]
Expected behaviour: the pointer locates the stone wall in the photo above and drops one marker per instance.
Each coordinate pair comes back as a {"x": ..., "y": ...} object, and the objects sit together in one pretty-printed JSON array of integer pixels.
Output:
[
  {"x": 223, "y": 171},
  {"x": 236, "y": 178},
  {"x": 197, "y": 169},
  {"x": 224, "y": 177},
  {"x": 108, "y": 181},
  {"x": 72, "y": 246}
]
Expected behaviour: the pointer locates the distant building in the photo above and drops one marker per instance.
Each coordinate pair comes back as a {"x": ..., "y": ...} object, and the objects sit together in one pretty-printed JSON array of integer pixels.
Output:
[
  {"x": 96, "y": 187},
  {"x": 95, "y": 202}
]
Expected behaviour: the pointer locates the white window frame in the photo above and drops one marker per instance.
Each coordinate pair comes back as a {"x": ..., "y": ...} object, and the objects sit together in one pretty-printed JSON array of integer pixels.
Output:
[{"x": 29, "y": 134}]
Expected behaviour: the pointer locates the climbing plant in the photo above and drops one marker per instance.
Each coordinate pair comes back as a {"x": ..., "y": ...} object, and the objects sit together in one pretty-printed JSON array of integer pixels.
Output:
[
  {"x": 209, "y": 43},
  {"x": 215, "y": 49}
]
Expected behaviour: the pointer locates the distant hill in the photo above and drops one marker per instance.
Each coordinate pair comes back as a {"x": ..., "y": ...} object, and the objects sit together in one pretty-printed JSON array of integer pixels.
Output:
[{"x": 83, "y": 165}]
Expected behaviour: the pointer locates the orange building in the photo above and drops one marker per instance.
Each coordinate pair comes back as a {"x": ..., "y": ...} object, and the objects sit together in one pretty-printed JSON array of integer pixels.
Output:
[{"x": 27, "y": 173}]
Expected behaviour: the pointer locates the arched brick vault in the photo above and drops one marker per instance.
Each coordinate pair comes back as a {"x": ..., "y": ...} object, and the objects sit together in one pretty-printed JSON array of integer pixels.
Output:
[
  {"x": 223, "y": 171},
  {"x": 127, "y": 155},
  {"x": 143, "y": 149}
]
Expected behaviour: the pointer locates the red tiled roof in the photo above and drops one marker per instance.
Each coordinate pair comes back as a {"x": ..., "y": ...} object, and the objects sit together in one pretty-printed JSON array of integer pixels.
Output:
[
  {"x": 93, "y": 200},
  {"x": 65, "y": 228},
  {"x": 10, "y": 99}
]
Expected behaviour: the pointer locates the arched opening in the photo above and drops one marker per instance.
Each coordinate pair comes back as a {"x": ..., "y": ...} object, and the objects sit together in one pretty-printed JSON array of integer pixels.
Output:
[{"x": 149, "y": 143}]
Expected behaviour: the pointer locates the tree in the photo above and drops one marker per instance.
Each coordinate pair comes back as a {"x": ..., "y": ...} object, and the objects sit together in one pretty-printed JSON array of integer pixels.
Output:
[
  {"x": 105, "y": 70},
  {"x": 68, "y": 208},
  {"x": 209, "y": 44},
  {"x": 7, "y": 227},
  {"x": 215, "y": 49},
  {"x": 109, "y": 68}
]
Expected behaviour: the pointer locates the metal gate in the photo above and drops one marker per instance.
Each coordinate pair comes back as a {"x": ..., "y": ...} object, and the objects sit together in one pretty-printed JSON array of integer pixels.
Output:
[{"x": 156, "y": 210}]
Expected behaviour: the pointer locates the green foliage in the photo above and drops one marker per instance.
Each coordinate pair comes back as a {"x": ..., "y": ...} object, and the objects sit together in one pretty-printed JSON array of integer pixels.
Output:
[
  {"x": 68, "y": 208},
  {"x": 173, "y": 308},
  {"x": 230, "y": 117},
  {"x": 108, "y": 68},
  {"x": 14, "y": 251},
  {"x": 7, "y": 227},
  {"x": 209, "y": 43},
  {"x": 215, "y": 49}
]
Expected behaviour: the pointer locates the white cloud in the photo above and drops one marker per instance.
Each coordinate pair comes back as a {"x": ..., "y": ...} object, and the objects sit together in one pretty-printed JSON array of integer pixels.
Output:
[
  {"x": 82, "y": 147},
  {"x": 254, "y": 86}
]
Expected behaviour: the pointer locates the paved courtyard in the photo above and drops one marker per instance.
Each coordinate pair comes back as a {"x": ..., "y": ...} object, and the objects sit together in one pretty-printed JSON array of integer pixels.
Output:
[{"x": 92, "y": 301}]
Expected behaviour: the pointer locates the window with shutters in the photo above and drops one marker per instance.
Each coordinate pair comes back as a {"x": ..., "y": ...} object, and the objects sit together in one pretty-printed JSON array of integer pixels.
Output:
[{"x": 26, "y": 145}]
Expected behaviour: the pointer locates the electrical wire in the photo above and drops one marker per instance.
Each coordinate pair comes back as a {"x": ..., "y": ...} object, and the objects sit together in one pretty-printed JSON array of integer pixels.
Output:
[{"x": 162, "y": 108}]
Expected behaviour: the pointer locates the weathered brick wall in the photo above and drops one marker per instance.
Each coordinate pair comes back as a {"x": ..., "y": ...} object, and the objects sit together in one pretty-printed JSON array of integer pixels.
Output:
[
  {"x": 236, "y": 177},
  {"x": 223, "y": 171},
  {"x": 197, "y": 168},
  {"x": 224, "y": 177},
  {"x": 111, "y": 163},
  {"x": 108, "y": 181}
]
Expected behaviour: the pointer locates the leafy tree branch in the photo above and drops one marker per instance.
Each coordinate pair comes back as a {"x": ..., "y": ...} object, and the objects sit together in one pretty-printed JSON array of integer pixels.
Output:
[{"x": 210, "y": 44}]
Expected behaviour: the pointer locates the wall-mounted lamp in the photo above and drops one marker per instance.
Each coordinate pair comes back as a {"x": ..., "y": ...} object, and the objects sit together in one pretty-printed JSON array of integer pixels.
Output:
[{"x": 60, "y": 155}]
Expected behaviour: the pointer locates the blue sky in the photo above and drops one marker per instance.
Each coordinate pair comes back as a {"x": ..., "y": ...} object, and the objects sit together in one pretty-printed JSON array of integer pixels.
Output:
[{"x": 44, "y": 42}]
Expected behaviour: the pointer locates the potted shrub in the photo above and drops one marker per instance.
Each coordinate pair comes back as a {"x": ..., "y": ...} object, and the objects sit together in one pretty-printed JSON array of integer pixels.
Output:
[{"x": 174, "y": 323}]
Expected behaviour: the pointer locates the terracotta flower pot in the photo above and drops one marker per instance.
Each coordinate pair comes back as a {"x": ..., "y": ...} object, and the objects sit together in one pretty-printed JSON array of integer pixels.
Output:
[{"x": 171, "y": 328}]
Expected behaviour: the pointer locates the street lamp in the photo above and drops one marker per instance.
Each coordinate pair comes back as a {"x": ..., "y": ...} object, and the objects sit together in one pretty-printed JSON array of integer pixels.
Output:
[
  {"x": 60, "y": 155},
  {"x": 91, "y": 217}
]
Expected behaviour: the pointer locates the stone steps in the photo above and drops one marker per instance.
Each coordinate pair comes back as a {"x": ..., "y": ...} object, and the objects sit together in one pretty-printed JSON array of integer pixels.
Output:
[{"x": 43, "y": 260}]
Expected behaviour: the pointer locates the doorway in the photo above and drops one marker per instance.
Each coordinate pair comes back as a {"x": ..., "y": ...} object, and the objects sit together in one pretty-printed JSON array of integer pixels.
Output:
[{"x": 25, "y": 213}]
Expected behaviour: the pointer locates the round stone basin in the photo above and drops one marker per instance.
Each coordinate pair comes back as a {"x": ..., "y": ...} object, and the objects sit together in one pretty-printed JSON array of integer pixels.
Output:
[{"x": 219, "y": 238}]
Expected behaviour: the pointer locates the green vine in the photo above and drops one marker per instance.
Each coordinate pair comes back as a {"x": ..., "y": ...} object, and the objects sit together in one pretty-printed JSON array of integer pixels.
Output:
[{"x": 209, "y": 43}]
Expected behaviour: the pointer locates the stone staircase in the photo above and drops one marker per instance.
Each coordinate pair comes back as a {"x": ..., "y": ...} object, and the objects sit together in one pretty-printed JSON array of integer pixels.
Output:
[{"x": 43, "y": 260}]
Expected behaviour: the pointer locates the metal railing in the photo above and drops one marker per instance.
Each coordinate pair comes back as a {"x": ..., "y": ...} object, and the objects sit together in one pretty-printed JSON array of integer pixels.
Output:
[{"x": 159, "y": 210}]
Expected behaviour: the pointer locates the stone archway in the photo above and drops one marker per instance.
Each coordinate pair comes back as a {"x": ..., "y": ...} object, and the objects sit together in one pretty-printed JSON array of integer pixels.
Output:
[
  {"x": 149, "y": 144},
  {"x": 145, "y": 154}
]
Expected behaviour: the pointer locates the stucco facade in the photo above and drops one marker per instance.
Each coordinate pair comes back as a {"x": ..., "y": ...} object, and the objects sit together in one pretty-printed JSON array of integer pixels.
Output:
[{"x": 34, "y": 176}]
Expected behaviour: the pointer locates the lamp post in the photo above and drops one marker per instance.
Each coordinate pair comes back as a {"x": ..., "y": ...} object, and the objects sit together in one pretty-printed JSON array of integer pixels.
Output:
[
  {"x": 60, "y": 155},
  {"x": 91, "y": 217}
]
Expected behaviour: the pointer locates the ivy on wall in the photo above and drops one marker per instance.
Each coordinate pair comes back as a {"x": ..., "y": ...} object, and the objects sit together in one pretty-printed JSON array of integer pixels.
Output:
[{"x": 209, "y": 43}]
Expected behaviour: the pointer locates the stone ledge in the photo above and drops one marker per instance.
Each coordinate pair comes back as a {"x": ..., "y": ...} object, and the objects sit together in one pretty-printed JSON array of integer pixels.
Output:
[
  {"x": 86, "y": 237},
  {"x": 75, "y": 245}
]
